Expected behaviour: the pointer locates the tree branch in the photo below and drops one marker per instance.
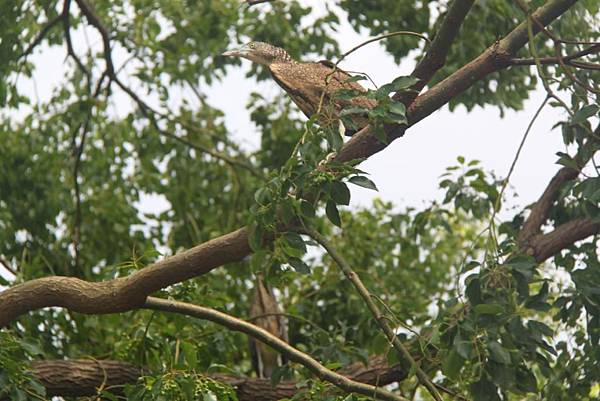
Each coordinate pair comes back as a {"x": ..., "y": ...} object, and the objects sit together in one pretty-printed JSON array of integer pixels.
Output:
[
  {"x": 40, "y": 36},
  {"x": 274, "y": 342},
  {"x": 544, "y": 246},
  {"x": 380, "y": 318},
  {"x": 435, "y": 58},
  {"x": 540, "y": 210},
  {"x": 555, "y": 60},
  {"x": 82, "y": 377},
  {"x": 126, "y": 293},
  {"x": 496, "y": 57}
]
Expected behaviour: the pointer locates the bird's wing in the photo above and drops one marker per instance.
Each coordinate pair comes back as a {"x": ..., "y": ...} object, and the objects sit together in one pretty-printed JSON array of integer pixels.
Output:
[{"x": 305, "y": 83}]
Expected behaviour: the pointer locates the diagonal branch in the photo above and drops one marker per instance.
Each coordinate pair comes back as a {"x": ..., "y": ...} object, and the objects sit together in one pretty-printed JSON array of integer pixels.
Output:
[
  {"x": 40, "y": 36},
  {"x": 542, "y": 247},
  {"x": 435, "y": 58},
  {"x": 380, "y": 318},
  {"x": 146, "y": 110},
  {"x": 129, "y": 293},
  {"x": 274, "y": 342},
  {"x": 541, "y": 209},
  {"x": 496, "y": 57}
]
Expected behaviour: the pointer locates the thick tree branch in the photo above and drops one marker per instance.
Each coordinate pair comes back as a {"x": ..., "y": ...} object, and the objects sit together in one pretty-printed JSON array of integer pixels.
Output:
[
  {"x": 435, "y": 58},
  {"x": 128, "y": 293},
  {"x": 496, "y": 57},
  {"x": 544, "y": 246},
  {"x": 541, "y": 209},
  {"x": 82, "y": 377},
  {"x": 122, "y": 294},
  {"x": 274, "y": 342}
]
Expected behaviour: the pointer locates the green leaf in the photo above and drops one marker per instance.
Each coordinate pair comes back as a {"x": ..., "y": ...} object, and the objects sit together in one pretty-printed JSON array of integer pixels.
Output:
[
  {"x": 295, "y": 241},
  {"x": 463, "y": 347},
  {"x": 356, "y": 78},
  {"x": 501, "y": 375},
  {"x": 332, "y": 213},
  {"x": 398, "y": 108},
  {"x": 307, "y": 209},
  {"x": 255, "y": 237},
  {"x": 498, "y": 353},
  {"x": 363, "y": 181},
  {"x": 526, "y": 380},
  {"x": 452, "y": 365},
  {"x": 404, "y": 82},
  {"x": 484, "y": 390},
  {"x": 353, "y": 110},
  {"x": 340, "y": 193},
  {"x": 584, "y": 113},
  {"x": 299, "y": 265},
  {"x": 489, "y": 309}
]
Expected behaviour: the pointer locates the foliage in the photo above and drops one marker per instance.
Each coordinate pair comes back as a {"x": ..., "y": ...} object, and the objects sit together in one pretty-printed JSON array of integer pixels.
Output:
[{"x": 79, "y": 164}]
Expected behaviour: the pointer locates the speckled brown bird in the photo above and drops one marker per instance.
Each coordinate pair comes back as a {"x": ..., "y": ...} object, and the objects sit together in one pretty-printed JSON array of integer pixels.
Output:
[
  {"x": 312, "y": 86},
  {"x": 266, "y": 314}
]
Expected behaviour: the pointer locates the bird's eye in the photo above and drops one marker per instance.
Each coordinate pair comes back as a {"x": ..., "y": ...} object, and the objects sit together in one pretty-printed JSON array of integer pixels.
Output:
[{"x": 251, "y": 45}]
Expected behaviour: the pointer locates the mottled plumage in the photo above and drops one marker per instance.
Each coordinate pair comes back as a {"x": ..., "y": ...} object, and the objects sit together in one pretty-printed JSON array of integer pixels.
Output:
[
  {"x": 264, "y": 359},
  {"x": 312, "y": 86}
]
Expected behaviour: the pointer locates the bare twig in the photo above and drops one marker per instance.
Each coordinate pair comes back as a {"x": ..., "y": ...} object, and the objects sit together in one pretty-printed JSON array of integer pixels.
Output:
[
  {"x": 375, "y": 311},
  {"x": 555, "y": 60},
  {"x": 148, "y": 111},
  {"x": 253, "y": 2},
  {"x": 66, "y": 19},
  {"x": 7, "y": 266},
  {"x": 40, "y": 36},
  {"x": 274, "y": 342}
]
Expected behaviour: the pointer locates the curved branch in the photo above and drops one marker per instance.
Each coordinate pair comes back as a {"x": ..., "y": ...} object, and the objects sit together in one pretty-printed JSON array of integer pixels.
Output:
[
  {"x": 274, "y": 342},
  {"x": 380, "y": 318},
  {"x": 122, "y": 294}
]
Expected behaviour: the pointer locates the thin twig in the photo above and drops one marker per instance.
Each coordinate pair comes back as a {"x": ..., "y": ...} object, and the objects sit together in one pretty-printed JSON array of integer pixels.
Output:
[
  {"x": 375, "y": 311},
  {"x": 40, "y": 36},
  {"x": 272, "y": 341},
  {"x": 95, "y": 21},
  {"x": 381, "y": 37},
  {"x": 7, "y": 266}
]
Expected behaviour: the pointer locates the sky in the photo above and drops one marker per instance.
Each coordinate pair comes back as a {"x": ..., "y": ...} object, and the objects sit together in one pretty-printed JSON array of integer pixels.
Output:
[{"x": 407, "y": 172}]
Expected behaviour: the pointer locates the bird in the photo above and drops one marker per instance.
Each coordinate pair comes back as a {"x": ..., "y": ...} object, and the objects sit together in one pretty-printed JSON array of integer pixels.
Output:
[
  {"x": 313, "y": 86},
  {"x": 266, "y": 314}
]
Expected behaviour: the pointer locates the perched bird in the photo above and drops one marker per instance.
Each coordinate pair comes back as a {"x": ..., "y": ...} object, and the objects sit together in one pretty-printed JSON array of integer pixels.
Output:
[
  {"x": 312, "y": 86},
  {"x": 265, "y": 313}
]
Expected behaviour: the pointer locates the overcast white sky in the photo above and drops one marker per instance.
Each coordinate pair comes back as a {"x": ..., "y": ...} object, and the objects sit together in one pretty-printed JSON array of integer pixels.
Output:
[{"x": 407, "y": 172}]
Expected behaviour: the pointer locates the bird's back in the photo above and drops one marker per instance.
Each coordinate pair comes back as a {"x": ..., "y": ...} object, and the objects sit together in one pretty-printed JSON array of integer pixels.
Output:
[{"x": 313, "y": 87}]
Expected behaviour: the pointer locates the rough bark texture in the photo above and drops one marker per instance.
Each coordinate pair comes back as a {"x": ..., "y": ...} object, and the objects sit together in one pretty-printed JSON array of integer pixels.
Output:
[
  {"x": 82, "y": 377},
  {"x": 130, "y": 292}
]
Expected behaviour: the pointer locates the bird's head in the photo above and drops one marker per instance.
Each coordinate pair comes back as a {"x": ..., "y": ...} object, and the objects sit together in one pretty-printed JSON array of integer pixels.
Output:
[{"x": 260, "y": 53}]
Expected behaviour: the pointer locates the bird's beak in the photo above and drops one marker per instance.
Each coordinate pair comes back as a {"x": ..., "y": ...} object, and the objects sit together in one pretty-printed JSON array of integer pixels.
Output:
[{"x": 241, "y": 52}]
